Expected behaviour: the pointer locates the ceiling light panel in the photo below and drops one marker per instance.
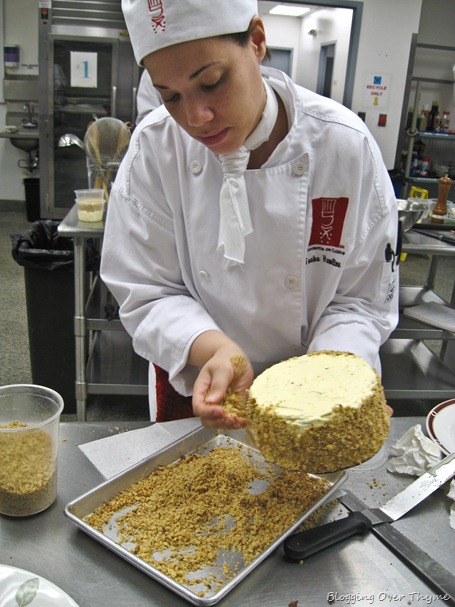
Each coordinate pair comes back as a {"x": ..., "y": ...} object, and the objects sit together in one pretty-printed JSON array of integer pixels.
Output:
[{"x": 289, "y": 11}]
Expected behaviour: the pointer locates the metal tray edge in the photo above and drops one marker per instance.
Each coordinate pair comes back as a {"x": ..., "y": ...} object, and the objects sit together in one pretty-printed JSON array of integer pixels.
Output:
[{"x": 167, "y": 455}]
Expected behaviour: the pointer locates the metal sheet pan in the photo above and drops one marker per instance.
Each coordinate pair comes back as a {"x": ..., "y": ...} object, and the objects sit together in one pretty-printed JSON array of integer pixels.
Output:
[{"x": 201, "y": 441}]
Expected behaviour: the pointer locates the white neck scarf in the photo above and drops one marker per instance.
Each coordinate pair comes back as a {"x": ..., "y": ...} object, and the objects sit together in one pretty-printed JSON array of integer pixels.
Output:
[{"x": 235, "y": 220}]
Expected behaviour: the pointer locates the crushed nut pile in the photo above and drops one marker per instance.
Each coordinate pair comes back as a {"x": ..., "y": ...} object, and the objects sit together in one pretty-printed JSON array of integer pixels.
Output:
[
  {"x": 234, "y": 403},
  {"x": 184, "y": 516},
  {"x": 27, "y": 471}
]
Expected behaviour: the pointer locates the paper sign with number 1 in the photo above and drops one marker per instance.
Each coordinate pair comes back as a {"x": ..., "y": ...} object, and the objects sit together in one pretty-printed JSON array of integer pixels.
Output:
[{"x": 84, "y": 72}]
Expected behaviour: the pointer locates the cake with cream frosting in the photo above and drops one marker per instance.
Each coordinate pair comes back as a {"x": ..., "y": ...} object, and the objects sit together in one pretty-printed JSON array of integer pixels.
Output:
[{"x": 321, "y": 412}]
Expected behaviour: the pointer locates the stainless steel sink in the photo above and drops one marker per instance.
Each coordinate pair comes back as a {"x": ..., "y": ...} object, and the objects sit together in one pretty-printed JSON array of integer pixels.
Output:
[
  {"x": 27, "y": 144},
  {"x": 22, "y": 140}
]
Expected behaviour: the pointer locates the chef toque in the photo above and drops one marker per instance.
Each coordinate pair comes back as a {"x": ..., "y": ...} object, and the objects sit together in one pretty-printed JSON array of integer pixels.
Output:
[
  {"x": 156, "y": 24},
  {"x": 235, "y": 220}
]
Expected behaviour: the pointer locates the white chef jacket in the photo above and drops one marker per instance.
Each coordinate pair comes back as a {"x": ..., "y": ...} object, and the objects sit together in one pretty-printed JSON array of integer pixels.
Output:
[{"x": 320, "y": 267}]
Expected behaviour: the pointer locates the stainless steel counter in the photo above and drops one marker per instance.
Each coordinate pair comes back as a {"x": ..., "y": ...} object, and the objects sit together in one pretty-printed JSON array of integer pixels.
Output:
[
  {"x": 415, "y": 242},
  {"x": 71, "y": 227},
  {"x": 360, "y": 571}
]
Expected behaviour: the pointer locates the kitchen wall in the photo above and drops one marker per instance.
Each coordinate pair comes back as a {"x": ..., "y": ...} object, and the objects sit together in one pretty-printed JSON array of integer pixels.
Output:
[
  {"x": 385, "y": 40},
  {"x": 20, "y": 26},
  {"x": 331, "y": 24},
  {"x": 387, "y": 27},
  {"x": 284, "y": 33},
  {"x": 325, "y": 26},
  {"x": 384, "y": 44}
]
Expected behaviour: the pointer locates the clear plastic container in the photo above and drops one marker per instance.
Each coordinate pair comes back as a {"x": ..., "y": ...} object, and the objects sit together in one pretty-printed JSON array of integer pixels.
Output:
[
  {"x": 90, "y": 204},
  {"x": 29, "y": 432},
  {"x": 102, "y": 177}
]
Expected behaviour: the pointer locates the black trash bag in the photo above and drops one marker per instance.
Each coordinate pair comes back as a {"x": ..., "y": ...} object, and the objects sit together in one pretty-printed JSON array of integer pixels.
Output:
[
  {"x": 41, "y": 248},
  {"x": 48, "y": 262}
]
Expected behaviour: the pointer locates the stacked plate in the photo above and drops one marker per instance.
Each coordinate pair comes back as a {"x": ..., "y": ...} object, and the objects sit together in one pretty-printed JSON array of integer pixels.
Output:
[
  {"x": 20, "y": 587},
  {"x": 441, "y": 425}
]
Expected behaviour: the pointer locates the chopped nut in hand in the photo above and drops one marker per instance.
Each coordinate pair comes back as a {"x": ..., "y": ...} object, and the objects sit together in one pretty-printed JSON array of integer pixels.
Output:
[{"x": 234, "y": 403}]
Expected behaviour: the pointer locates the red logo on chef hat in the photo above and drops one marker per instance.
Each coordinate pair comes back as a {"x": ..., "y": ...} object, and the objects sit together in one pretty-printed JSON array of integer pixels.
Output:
[
  {"x": 328, "y": 221},
  {"x": 157, "y": 14}
]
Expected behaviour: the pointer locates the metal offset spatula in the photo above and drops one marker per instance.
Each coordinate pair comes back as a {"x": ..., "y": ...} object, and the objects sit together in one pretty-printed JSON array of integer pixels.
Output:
[{"x": 305, "y": 543}]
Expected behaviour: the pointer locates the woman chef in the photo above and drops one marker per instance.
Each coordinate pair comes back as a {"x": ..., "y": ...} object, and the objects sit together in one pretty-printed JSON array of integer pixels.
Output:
[{"x": 208, "y": 260}]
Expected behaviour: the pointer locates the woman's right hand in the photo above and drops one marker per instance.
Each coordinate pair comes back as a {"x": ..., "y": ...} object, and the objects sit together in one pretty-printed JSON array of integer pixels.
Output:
[{"x": 214, "y": 353}]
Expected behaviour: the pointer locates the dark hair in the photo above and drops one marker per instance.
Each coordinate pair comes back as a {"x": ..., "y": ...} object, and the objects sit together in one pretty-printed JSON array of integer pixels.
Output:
[{"x": 242, "y": 39}]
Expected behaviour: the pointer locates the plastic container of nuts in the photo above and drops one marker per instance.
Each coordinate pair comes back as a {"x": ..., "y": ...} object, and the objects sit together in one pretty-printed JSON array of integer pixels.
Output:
[
  {"x": 29, "y": 429},
  {"x": 90, "y": 204}
]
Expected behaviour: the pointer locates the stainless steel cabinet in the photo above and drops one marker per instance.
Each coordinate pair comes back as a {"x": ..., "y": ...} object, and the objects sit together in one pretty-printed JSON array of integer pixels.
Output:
[{"x": 86, "y": 69}]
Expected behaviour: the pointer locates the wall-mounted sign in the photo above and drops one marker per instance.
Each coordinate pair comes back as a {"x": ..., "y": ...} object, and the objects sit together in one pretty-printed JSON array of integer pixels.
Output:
[
  {"x": 377, "y": 90},
  {"x": 11, "y": 54},
  {"x": 84, "y": 69}
]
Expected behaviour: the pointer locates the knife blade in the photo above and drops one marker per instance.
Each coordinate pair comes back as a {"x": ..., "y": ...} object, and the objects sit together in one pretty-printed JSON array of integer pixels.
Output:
[{"x": 306, "y": 543}]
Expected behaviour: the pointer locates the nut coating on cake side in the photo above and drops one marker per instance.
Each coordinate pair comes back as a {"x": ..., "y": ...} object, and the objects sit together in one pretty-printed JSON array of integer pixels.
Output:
[{"x": 322, "y": 412}]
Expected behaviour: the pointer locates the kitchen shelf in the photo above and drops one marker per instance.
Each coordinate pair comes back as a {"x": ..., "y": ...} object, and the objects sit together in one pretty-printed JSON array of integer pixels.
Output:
[
  {"x": 432, "y": 80},
  {"x": 105, "y": 360},
  {"x": 99, "y": 110},
  {"x": 410, "y": 370},
  {"x": 113, "y": 367},
  {"x": 416, "y": 295},
  {"x": 97, "y": 317},
  {"x": 422, "y": 181},
  {"x": 436, "y": 136},
  {"x": 446, "y": 56},
  {"x": 409, "y": 328}
]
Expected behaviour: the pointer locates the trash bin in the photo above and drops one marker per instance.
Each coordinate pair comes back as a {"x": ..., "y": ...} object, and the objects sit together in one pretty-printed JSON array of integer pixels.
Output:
[
  {"x": 32, "y": 198},
  {"x": 48, "y": 262}
]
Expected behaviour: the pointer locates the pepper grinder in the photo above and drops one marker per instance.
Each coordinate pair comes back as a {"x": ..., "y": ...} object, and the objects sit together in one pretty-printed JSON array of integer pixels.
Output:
[{"x": 440, "y": 209}]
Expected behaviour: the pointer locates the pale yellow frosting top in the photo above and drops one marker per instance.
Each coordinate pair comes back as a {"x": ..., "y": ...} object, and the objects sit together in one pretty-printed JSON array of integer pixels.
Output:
[{"x": 304, "y": 390}]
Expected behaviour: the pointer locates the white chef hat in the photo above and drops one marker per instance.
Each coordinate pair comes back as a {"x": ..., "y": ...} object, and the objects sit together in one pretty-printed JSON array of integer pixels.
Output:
[{"x": 155, "y": 24}]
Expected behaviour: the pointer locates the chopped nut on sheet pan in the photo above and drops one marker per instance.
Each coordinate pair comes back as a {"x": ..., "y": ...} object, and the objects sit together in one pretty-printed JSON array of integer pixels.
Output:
[{"x": 185, "y": 517}]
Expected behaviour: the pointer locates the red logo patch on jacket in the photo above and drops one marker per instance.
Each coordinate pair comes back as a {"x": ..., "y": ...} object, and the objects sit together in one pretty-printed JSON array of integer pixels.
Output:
[{"x": 328, "y": 221}]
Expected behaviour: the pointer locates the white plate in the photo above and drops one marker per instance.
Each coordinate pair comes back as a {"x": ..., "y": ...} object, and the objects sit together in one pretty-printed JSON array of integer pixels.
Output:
[
  {"x": 379, "y": 459},
  {"x": 441, "y": 425},
  {"x": 19, "y": 587}
]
